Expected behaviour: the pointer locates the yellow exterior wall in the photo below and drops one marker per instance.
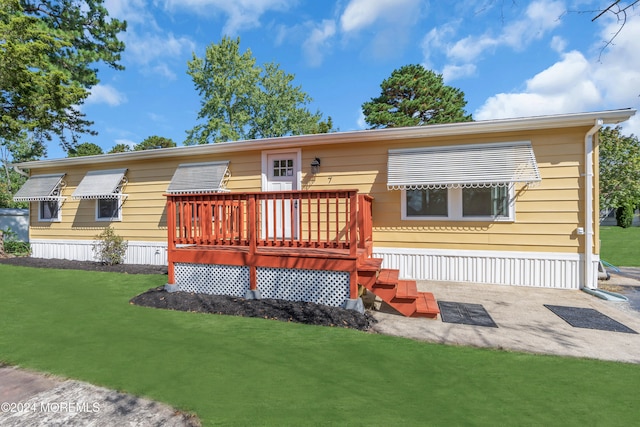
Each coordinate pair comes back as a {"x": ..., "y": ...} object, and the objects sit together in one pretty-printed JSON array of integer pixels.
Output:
[{"x": 546, "y": 216}]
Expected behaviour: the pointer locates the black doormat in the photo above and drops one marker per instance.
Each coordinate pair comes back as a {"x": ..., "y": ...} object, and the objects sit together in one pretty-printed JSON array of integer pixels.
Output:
[
  {"x": 588, "y": 318},
  {"x": 466, "y": 314}
]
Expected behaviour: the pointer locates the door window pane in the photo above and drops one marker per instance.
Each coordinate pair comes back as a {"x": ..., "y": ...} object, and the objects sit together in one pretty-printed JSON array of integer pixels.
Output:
[
  {"x": 283, "y": 167},
  {"x": 427, "y": 202}
]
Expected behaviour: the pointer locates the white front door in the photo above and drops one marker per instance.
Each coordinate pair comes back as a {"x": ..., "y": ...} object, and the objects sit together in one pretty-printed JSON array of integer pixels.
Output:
[{"x": 282, "y": 174}]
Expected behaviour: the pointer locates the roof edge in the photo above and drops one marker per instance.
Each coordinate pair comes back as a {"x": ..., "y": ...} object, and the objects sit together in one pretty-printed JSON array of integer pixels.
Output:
[{"x": 429, "y": 131}]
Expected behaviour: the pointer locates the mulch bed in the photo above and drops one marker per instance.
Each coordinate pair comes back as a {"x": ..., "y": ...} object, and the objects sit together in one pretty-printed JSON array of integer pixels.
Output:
[
  {"x": 275, "y": 309},
  {"x": 286, "y": 311},
  {"x": 66, "y": 264}
]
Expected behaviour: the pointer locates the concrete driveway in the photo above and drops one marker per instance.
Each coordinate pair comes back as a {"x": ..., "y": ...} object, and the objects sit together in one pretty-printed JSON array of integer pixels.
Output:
[{"x": 524, "y": 323}]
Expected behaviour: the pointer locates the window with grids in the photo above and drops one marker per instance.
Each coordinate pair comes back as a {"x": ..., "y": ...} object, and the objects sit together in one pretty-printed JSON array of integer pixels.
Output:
[{"x": 283, "y": 167}]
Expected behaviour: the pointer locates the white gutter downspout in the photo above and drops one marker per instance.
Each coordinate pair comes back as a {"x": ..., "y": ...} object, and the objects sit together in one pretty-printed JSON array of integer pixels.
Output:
[
  {"x": 20, "y": 171},
  {"x": 590, "y": 284},
  {"x": 589, "y": 277}
]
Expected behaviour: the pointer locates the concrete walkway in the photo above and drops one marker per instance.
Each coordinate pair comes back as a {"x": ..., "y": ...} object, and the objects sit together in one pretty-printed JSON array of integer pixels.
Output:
[
  {"x": 524, "y": 324},
  {"x": 34, "y": 399}
]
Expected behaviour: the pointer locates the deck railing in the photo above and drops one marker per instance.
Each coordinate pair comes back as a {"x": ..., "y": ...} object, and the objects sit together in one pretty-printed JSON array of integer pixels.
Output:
[{"x": 300, "y": 219}]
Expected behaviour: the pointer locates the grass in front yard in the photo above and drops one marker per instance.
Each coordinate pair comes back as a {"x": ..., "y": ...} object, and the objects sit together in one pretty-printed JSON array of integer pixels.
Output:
[
  {"x": 620, "y": 246},
  {"x": 241, "y": 371}
]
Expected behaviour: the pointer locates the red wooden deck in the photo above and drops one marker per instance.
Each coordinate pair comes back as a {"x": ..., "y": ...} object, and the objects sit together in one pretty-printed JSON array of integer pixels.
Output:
[{"x": 315, "y": 230}]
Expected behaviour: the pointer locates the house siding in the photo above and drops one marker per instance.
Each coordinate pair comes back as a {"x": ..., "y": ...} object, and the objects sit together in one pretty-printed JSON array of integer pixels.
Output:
[{"x": 546, "y": 217}]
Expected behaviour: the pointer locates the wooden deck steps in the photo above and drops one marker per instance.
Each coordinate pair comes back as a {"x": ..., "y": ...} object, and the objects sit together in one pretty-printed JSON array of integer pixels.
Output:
[{"x": 402, "y": 295}]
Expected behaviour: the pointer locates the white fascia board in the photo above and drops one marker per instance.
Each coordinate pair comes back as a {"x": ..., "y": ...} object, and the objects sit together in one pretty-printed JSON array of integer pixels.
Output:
[{"x": 389, "y": 134}]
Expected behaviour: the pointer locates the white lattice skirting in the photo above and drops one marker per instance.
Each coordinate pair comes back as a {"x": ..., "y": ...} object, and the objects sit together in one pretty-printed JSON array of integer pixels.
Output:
[
  {"x": 535, "y": 269},
  {"x": 320, "y": 287}
]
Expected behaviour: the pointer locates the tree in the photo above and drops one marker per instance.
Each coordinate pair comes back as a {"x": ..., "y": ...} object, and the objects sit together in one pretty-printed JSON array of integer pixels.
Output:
[
  {"x": 154, "y": 142},
  {"x": 48, "y": 54},
  {"x": 619, "y": 169},
  {"x": 22, "y": 149},
  {"x": 415, "y": 96},
  {"x": 241, "y": 100},
  {"x": 120, "y": 148},
  {"x": 85, "y": 149}
]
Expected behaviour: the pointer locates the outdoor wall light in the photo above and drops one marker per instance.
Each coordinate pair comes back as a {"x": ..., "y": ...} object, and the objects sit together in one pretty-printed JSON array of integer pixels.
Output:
[{"x": 315, "y": 166}]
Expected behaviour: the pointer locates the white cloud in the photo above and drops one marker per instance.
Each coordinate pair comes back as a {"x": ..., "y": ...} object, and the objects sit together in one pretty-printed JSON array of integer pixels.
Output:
[
  {"x": 143, "y": 49},
  {"x": 360, "y": 14},
  {"x": 558, "y": 44},
  {"x": 128, "y": 142},
  {"x": 390, "y": 20},
  {"x": 566, "y": 86},
  {"x": 105, "y": 94},
  {"x": 318, "y": 42},
  {"x": 361, "y": 122},
  {"x": 540, "y": 17},
  {"x": 241, "y": 14},
  {"x": 452, "y": 72},
  {"x": 576, "y": 83},
  {"x": 133, "y": 11}
]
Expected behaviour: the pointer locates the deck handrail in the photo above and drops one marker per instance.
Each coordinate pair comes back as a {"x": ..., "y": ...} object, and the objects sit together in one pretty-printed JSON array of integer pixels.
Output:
[{"x": 302, "y": 219}]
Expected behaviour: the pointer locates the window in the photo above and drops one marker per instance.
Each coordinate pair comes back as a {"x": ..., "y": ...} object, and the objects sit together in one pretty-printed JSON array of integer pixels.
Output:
[
  {"x": 470, "y": 182},
  {"x": 428, "y": 202},
  {"x": 47, "y": 191},
  {"x": 49, "y": 211},
  {"x": 460, "y": 204},
  {"x": 108, "y": 210},
  {"x": 105, "y": 187},
  {"x": 493, "y": 202}
]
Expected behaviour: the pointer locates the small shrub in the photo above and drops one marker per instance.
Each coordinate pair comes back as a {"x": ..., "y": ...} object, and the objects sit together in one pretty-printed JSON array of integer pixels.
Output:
[
  {"x": 110, "y": 248},
  {"x": 11, "y": 244},
  {"x": 17, "y": 248},
  {"x": 624, "y": 216}
]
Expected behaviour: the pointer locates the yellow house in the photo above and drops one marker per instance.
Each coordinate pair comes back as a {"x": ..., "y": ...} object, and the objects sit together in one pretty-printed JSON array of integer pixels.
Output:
[{"x": 509, "y": 201}]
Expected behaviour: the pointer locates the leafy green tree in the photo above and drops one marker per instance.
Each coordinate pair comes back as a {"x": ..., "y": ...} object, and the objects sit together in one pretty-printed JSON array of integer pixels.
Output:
[
  {"x": 48, "y": 52},
  {"x": 22, "y": 149},
  {"x": 154, "y": 142},
  {"x": 85, "y": 149},
  {"x": 120, "y": 148},
  {"x": 241, "y": 100},
  {"x": 415, "y": 96},
  {"x": 276, "y": 112},
  {"x": 619, "y": 169}
]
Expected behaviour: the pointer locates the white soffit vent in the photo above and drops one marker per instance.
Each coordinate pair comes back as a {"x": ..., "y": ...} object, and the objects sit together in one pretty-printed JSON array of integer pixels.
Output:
[
  {"x": 473, "y": 165},
  {"x": 40, "y": 188},
  {"x": 105, "y": 184},
  {"x": 190, "y": 178}
]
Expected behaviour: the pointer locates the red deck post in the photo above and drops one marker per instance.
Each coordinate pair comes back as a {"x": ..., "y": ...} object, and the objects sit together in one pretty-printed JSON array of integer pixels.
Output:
[
  {"x": 253, "y": 243},
  {"x": 353, "y": 244},
  {"x": 171, "y": 243}
]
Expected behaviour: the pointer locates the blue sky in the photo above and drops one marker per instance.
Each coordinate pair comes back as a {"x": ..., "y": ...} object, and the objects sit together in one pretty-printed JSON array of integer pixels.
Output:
[{"x": 510, "y": 58}]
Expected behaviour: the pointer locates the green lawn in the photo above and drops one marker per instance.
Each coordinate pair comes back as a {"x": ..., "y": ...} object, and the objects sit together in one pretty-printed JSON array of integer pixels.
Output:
[
  {"x": 240, "y": 371},
  {"x": 620, "y": 246}
]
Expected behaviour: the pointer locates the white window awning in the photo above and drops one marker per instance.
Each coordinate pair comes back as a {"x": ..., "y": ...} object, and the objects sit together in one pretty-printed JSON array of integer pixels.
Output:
[
  {"x": 473, "y": 165},
  {"x": 41, "y": 188},
  {"x": 190, "y": 178},
  {"x": 104, "y": 184}
]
